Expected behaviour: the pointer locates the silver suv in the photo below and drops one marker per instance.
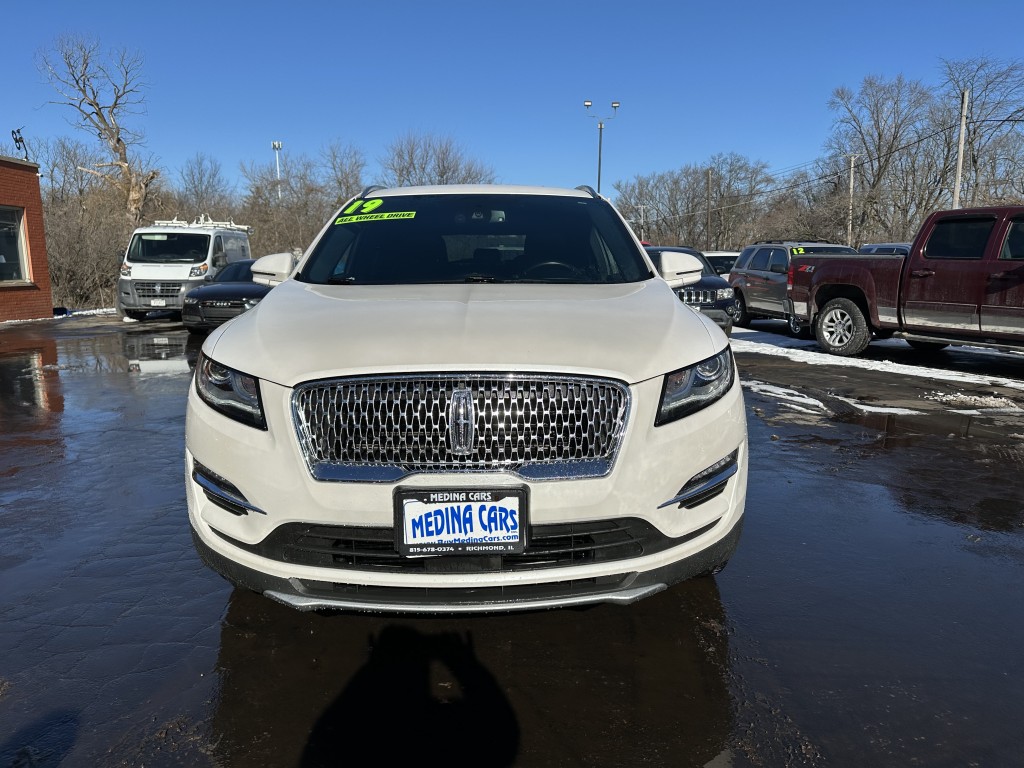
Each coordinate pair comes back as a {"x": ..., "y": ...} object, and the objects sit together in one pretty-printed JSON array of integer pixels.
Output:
[{"x": 759, "y": 278}]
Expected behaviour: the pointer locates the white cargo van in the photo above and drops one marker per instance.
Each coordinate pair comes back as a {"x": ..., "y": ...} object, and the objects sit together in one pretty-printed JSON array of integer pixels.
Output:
[{"x": 167, "y": 260}]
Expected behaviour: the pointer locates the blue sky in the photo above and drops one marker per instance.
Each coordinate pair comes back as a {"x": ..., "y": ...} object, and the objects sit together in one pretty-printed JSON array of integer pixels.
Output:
[{"x": 506, "y": 81}]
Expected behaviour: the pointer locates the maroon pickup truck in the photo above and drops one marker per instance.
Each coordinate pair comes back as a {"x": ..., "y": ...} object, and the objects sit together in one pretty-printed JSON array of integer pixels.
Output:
[{"x": 962, "y": 283}]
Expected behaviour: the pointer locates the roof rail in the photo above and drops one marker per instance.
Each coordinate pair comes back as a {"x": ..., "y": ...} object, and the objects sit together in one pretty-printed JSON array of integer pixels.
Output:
[
  {"x": 588, "y": 189},
  {"x": 371, "y": 189},
  {"x": 204, "y": 220}
]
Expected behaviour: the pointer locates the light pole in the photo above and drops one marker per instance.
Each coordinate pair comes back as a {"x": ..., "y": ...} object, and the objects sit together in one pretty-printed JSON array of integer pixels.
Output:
[
  {"x": 276, "y": 146},
  {"x": 600, "y": 135}
]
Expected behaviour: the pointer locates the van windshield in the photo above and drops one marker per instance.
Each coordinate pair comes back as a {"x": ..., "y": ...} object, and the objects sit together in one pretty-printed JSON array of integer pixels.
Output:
[{"x": 168, "y": 248}]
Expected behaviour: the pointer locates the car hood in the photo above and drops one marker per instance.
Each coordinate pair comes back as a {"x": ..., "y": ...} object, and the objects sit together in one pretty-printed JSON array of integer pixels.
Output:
[
  {"x": 240, "y": 290},
  {"x": 301, "y": 332}
]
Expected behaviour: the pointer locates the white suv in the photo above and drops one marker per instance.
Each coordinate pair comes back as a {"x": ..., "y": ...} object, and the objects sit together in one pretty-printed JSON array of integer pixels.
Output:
[{"x": 467, "y": 399}]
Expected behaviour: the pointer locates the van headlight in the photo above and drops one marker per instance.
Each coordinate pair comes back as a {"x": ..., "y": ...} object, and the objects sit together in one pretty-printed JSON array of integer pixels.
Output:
[
  {"x": 690, "y": 389},
  {"x": 199, "y": 270},
  {"x": 230, "y": 392}
]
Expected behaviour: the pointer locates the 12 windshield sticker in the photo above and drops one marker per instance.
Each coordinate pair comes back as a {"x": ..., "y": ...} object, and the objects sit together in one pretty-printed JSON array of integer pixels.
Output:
[{"x": 363, "y": 210}]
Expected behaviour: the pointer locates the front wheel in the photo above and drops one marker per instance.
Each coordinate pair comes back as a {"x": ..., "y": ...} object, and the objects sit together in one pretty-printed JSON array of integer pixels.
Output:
[
  {"x": 742, "y": 318},
  {"x": 841, "y": 328}
]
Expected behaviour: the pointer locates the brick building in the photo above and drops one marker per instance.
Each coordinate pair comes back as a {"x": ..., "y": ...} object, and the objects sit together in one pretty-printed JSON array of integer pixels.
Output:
[{"x": 24, "y": 270}]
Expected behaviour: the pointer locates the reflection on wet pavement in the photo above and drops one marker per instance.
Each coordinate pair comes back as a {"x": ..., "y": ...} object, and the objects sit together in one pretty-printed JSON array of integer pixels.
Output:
[
  {"x": 643, "y": 686},
  {"x": 872, "y": 615}
]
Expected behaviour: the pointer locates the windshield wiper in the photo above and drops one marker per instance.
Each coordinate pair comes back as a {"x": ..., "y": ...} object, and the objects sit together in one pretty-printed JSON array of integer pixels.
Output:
[{"x": 340, "y": 280}]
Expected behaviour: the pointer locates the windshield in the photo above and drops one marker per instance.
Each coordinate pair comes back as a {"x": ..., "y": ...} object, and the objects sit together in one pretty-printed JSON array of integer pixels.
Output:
[
  {"x": 476, "y": 238},
  {"x": 168, "y": 248}
]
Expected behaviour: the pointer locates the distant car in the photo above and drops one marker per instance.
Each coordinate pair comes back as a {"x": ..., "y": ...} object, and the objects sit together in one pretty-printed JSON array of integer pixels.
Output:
[
  {"x": 227, "y": 295},
  {"x": 901, "y": 249},
  {"x": 722, "y": 261},
  {"x": 711, "y": 295},
  {"x": 759, "y": 278}
]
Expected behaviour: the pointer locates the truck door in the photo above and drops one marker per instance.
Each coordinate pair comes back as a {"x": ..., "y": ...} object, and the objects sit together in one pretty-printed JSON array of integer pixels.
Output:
[
  {"x": 944, "y": 282},
  {"x": 1002, "y": 308}
]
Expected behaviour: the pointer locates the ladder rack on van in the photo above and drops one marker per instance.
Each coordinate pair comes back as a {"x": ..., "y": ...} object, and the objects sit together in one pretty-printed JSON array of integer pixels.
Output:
[{"x": 204, "y": 221}]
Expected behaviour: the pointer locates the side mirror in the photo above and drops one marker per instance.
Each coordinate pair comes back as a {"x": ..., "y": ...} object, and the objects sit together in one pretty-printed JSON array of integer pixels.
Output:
[
  {"x": 778, "y": 269},
  {"x": 273, "y": 269},
  {"x": 679, "y": 269}
]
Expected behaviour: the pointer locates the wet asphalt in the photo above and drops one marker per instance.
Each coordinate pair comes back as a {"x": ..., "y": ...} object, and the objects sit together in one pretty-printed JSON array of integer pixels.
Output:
[{"x": 872, "y": 615}]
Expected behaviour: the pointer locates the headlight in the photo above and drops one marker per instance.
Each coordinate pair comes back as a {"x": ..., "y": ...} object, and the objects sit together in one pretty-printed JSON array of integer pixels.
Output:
[
  {"x": 199, "y": 270},
  {"x": 725, "y": 293},
  {"x": 189, "y": 300},
  {"x": 234, "y": 394},
  {"x": 126, "y": 270},
  {"x": 690, "y": 389}
]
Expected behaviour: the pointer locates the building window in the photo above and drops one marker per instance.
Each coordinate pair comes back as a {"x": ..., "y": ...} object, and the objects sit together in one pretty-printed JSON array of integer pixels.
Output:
[{"x": 12, "y": 244}]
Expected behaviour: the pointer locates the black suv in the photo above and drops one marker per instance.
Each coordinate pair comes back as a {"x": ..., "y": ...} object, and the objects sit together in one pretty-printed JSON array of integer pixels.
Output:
[
  {"x": 710, "y": 295},
  {"x": 759, "y": 278}
]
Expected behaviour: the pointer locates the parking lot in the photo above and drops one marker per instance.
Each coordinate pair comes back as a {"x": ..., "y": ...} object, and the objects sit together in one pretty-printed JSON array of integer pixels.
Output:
[{"x": 871, "y": 616}]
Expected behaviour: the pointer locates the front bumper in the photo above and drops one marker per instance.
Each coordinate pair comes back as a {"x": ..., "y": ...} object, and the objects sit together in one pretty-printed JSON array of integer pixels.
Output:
[
  {"x": 262, "y": 491},
  {"x": 146, "y": 295}
]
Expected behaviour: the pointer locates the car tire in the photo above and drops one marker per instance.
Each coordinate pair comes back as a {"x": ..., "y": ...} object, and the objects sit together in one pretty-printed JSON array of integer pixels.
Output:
[
  {"x": 742, "y": 318},
  {"x": 842, "y": 329},
  {"x": 927, "y": 346}
]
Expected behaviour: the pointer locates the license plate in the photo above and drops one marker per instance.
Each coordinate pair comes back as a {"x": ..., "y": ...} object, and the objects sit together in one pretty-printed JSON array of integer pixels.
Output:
[
  {"x": 158, "y": 302},
  {"x": 478, "y": 521}
]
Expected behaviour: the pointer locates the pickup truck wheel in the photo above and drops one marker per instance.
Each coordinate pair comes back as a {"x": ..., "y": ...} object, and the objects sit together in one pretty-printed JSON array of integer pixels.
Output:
[
  {"x": 841, "y": 328},
  {"x": 742, "y": 319}
]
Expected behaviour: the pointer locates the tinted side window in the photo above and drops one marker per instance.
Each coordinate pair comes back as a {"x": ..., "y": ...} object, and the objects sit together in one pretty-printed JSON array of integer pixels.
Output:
[
  {"x": 959, "y": 239},
  {"x": 760, "y": 261},
  {"x": 778, "y": 258},
  {"x": 744, "y": 257},
  {"x": 1013, "y": 246}
]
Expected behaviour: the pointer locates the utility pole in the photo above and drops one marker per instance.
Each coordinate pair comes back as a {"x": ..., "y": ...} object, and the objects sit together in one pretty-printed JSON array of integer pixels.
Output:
[
  {"x": 849, "y": 212},
  {"x": 960, "y": 148},
  {"x": 707, "y": 228}
]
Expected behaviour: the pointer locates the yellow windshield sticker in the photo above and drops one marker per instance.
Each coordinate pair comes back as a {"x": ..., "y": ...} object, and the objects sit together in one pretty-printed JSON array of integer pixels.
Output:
[
  {"x": 364, "y": 205},
  {"x": 375, "y": 217},
  {"x": 796, "y": 251},
  {"x": 360, "y": 210}
]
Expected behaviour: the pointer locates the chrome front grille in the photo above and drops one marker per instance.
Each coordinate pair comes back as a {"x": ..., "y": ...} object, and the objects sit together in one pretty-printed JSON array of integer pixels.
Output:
[
  {"x": 696, "y": 296},
  {"x": 381, "y": 429},
  {"x": 155, "y": 290}
]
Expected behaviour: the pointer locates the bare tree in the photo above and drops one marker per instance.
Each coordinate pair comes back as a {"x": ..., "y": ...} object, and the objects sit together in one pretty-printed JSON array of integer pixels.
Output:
[
  {"x": 345, "y": 167},
  {"x": 414, "y": 160},
  {"x": 203, "y": 189},
  {"x": 104, "y": 89},
  {"x": 673, "y": 208},
  {"x": 875, "y": 126},
  {"x": 86, "y": 231},
  {"x": 995, "y": 125},
  {"x": 286, "y": 215}
]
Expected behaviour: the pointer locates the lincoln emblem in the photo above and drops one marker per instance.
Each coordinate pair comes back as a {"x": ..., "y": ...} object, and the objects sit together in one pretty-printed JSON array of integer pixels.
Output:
[{"x": 461, "y": 423}]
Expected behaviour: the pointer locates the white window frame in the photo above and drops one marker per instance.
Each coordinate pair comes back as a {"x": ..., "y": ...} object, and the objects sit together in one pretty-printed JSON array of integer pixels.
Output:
[{"x": 21, "y": 255}]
